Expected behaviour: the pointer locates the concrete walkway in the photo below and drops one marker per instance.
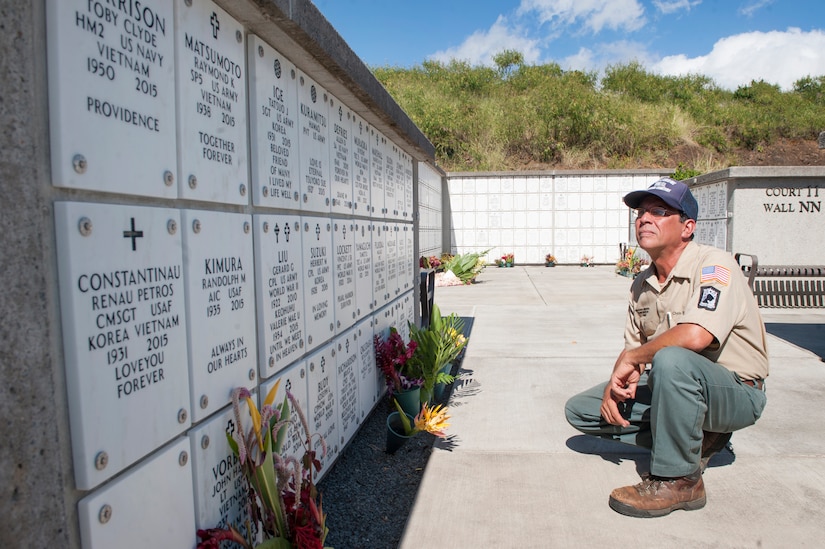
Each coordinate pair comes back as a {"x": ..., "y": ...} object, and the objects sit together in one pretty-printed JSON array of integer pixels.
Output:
[{"x": 514, "y": 474}]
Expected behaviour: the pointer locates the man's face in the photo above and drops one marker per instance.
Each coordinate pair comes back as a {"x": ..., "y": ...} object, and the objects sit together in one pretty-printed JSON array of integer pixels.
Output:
[{"x": 656, "y": 234}]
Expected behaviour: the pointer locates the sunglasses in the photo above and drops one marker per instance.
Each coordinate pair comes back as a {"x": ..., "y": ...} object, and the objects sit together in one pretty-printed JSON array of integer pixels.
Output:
[{"x": 656, "y": 211}]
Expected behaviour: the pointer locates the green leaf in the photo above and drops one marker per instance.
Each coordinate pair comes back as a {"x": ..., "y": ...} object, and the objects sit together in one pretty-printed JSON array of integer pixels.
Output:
[{"x": 405, "y": 421}]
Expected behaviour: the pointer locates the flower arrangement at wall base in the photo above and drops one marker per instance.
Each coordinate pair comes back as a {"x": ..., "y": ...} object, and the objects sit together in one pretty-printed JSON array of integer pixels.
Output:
[
  {"x": 437, "y": 346},
  {"x": 586, "y": 261},
  {"x": 284, "y": 503},
  {"x": 403, "y": 376},
  {"x": 630, "y": 264},
  {"x": 507, "y": 260},
  {"x": 431, "y": 262},
  {"x": 549, "y": 260},
  {"x": 464, "y": 267},
  {"x": 402, "y": 426}
]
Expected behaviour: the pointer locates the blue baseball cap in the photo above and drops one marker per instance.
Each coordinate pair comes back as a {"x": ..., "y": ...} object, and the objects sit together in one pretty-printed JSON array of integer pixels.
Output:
[{"x": 674, "y": 193}]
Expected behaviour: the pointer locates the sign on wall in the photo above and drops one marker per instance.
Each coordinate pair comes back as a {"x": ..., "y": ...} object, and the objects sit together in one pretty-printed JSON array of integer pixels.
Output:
[
  {"x": 220, "y": 287},
  {"x": 377, "y": 173},
  {"x": 280, "y": 290},
  {"x": 363, "y": 269},
  {"x": 348, "y": 362},
  {"x": 124, "y": 333},
  {"x": 313, "y": 127},
  {"x": 343, "y": 239},
  {"x": 211, "y": 87},
  {"x": 318, "y": 285},
  {"x": 112, "y": 81},
  {"x": 360, "y": 166},
  {"x": 273, "y": 114},
  {"x": 340, "y": 155},
  {"x": 323, "y": 404}
]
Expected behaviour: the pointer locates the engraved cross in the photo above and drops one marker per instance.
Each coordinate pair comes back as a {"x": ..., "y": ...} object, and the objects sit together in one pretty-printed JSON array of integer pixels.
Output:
[
  {"x": 133, "y": 234},
  {"x": 215, "y": 25},
  {"x": 317, "y": 231},
  {"x": 277, "y": 231}
]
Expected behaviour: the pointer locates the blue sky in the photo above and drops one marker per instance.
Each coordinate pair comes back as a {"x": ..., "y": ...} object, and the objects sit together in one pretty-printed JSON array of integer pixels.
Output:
[{"x": 731, "y": 41}]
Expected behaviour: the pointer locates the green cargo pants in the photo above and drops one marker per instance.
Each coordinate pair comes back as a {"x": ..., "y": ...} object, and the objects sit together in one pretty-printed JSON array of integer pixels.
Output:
[{"x": 681, "y": 395}]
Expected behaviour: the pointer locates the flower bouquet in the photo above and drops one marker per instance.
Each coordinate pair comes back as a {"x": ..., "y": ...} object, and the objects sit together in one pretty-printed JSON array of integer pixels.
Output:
[
  {"x": 507, "y": 260},
  {"x": 549, "y": 260},
  {"x": 437, "y": 346},
  {"x": 586, "y": 261},
  {"x": 392, "y": 356},
  {"x": 284, "y": 503},
  {"x": 630, "y": 264}
]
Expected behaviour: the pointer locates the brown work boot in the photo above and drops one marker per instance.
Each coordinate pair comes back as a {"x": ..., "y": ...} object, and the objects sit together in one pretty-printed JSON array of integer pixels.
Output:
[
  {"x": 658, "y": 496},
  {"x": 712, "y": 444}
]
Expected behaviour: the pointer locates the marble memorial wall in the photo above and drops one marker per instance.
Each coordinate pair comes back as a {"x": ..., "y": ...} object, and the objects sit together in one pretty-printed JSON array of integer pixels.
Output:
[
  {"x": 234, "y": 225},
  {"x": 531, "y": 215}
]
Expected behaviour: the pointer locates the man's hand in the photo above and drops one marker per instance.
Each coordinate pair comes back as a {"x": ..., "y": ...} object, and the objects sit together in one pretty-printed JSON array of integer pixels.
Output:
[{"x": 621, "y": 387}]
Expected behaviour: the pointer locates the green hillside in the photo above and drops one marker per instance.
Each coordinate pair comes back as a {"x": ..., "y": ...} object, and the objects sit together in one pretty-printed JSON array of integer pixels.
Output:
[{"x": 520, "y": 116}]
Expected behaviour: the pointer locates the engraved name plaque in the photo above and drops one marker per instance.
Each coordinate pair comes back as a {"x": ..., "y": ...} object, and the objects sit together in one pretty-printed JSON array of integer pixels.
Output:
[
  {"x": 378, "y": 145},
  {"x": 360, "y": 165},
  {"x": 391, "y": 243},
  {"x": 273, "y": 116},
  {"x": 343, "y": 239},
  {"x": 313, "y": 138},
  {"x": 221, "y": 497},
  {"x": 379, "y": 264},
  {"x": 124, "y": 327},
  {"x": 323, "y": 406},
  {"x": 406, "y": 257},
  {"x": 150, "y": 506},
  {"x": 318, "y": 280},
  {"x": 293, "y": 379},
  {"x": 370, "y": 379},
  {"x": 363, "y": 269},
  {"x": 340, "y": 155},
  {"x": 220, "y": 284},
  {"x": 211, "y": 86},
  {"x": 349, "y": 412},
  {"x": 280, "y": 290},
  {"x": 390, "y": 202},
  {"x": 406, "y": 185},
  {"x": 112, "y": 96}
]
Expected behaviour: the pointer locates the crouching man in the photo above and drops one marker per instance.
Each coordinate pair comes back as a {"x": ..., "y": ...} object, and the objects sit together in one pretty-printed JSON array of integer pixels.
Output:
[{"x": 694, "y": 363}]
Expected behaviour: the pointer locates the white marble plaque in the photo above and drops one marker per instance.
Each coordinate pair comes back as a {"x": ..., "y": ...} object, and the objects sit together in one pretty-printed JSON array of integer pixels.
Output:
[
  {"x": 323, "y": 404},
  {"x": 124, "y": 333},
  {"x": 220, "y": 287},
  {"x": 390, "y": 196},
  {"x": 211, "y": 86},
  {"x": 340, "y": 156},
  {"x": 112, "y": 96},
  {"x": 370, "y": 379},
  {"x": 280, "y": 290},
  {"x": 378, "y": 145},
  {"x": 150, "y": 506},
  {"x": 360, "y": 166},
  {"x": 349, "y": 412},
  {"x": 220, "y": 487},
  {"x": 407, "y": 186},
  {"x": 313, "y": 138},
  {"x": 380, "y": 289},
  {"x": 343, "y": 240},
  {"x": 406, "y": 257},
  {"x": 405, "y": 314},
  {"x": 318, "y": 280},
  {"x": 391, "y": 243},
  {"x": 273, "y": 116},
  {"x": 363, "y": 269},
  {"x": 293, "y": 379}
]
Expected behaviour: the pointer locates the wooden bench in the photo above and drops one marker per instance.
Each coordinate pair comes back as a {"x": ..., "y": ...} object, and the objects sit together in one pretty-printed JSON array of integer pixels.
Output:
[{"x": 782, "y": 286}]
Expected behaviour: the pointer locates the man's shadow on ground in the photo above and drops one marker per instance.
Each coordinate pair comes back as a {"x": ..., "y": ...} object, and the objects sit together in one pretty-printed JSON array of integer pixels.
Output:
[{"x": 616, "y": 452}]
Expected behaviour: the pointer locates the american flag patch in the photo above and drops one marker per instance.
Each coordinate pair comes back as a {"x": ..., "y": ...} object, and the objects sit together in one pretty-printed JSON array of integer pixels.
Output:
[{"x": 717, "y": 273}]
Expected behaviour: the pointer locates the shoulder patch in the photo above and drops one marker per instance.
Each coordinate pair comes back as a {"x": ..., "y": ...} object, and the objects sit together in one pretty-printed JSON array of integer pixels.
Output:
[
  {"x": 715, "y": 273},
  {"x": 709, "y": 298}
]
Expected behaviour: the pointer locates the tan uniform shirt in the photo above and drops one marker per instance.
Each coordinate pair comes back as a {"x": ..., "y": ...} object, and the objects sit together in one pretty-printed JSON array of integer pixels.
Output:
[{"x": 706, "y": 288}]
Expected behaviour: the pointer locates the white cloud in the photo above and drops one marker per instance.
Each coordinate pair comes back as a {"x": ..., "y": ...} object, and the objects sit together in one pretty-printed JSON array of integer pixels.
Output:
[
  {"x": 753, "y": 7},
  {"x": 607, "y": 53},
  {"x": 480, "y": 47},
  {"x": 671, "y": 6},
  {"x": 594, "y": 15},
  {"x": 777, "y": 57}
]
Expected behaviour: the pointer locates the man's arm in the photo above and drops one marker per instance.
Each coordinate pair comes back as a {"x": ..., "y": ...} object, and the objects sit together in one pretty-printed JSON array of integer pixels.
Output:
[{"x": 631, "y": 363}]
